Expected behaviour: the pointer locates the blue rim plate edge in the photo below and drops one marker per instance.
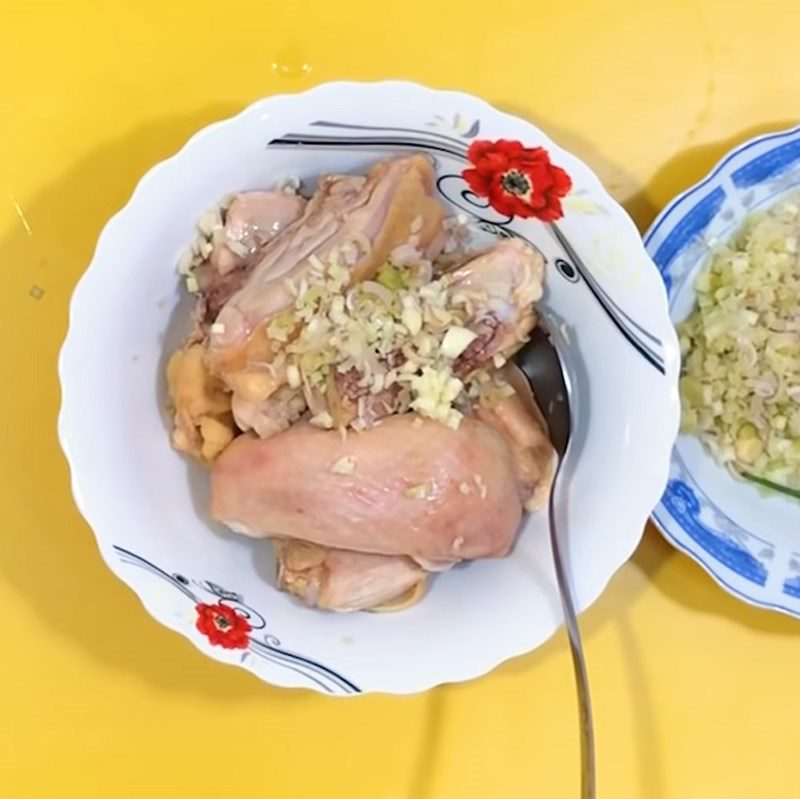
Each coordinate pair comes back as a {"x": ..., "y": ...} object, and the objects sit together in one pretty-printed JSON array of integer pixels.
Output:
[{"x": 647, "y": 238}]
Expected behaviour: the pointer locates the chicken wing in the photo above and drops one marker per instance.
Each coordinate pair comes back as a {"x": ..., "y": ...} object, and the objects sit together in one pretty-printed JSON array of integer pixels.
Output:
[{"x": 252, "y": 220}]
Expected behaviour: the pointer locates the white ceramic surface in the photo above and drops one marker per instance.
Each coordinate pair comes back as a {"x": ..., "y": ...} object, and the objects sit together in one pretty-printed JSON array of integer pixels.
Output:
[
  {"x": 746, "y": 538},
  {"x": 147, "y": 505}
]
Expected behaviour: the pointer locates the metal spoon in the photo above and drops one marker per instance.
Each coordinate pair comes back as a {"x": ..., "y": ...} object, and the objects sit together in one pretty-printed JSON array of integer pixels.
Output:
[{"x": 541, "y": 361}]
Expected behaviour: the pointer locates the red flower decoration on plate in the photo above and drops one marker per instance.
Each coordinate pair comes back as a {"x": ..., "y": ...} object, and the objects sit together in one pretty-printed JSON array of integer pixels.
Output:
[
  {"x": 223, "y": 626},
  {"x": 518, "y": 181}
]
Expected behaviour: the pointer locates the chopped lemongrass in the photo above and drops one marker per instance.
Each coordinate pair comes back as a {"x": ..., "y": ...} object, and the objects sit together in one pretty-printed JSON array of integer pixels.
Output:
[
  {"x": 741, "y": 350},
  {"x": 185, "y": 263},
  {"x": 209, "y": 222},
  {"x": 384, "y": 346},
  {"x": 289, "y": 185},
  {"x": 206, "y": 248},
  {"x": 412, "y": 319}
]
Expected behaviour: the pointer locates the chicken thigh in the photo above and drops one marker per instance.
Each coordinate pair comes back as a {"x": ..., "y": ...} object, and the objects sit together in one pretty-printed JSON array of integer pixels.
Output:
[{"x": 408, "y": 486}]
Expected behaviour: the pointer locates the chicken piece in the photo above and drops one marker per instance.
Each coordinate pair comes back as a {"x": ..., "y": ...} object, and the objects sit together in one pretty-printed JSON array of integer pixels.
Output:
[
  {"x": 202, "y": 418},
  {"x": 498, "y": 287},
  {"x": 521, "y": 422},
  {"x": 369, "y": 215},
  {"x": 407, "y": 486},
  {"x": 203, "y": 421},
  {"x": 501, "y": 285},
  {"x": 252, "y": 220},
  {"x": 340, "y": 580},
  {"x": 345, "y": 396}
]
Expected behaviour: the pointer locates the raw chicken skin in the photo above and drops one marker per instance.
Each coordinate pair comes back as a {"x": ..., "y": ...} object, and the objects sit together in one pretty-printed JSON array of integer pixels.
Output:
[
  {"x": 203, "y": 424},
  {"x": 419, "y": 488},
  {"x": 340, "y": 580},
  {"x": 252, "y": 220},
  {"x": 501, "y": 284}
]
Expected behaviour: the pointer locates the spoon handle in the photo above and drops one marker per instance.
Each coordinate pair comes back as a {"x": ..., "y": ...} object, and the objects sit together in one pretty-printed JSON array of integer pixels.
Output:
[{"x": 588, "y": 776}]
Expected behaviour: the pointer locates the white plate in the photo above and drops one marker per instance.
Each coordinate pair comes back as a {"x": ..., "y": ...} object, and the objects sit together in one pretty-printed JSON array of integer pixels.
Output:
[
  {"x": 748, "y": 540},
  {"x": 147, "y": 505}
]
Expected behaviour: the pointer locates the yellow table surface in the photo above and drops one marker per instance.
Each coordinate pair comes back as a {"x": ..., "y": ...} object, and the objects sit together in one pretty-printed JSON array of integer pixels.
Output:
[{"x": 696, "y": 694}]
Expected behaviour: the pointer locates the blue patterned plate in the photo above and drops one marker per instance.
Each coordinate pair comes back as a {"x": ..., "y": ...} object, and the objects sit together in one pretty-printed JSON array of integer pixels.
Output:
[{"x": 748, "y": 540}]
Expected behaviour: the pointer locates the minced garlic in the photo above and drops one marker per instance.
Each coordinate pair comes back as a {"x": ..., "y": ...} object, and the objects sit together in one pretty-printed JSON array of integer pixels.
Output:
[
  {"x": 323, "y": 419},
  {"x": 346, "y": 465},
  {"x": 456, "y": 340},
  {"x": 293, "y": 376}
]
